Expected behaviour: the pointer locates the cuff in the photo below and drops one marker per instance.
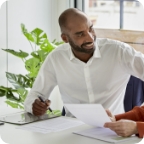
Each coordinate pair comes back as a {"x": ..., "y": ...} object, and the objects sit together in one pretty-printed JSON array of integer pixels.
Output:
[{"x": 140, "y": 128}]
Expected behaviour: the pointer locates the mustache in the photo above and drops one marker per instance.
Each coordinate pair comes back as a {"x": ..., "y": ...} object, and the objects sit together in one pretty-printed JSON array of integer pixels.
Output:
[{"x": 84, "y": 44}]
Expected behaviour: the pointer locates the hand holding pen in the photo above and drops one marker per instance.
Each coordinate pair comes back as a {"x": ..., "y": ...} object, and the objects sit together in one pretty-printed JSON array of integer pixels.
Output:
[
  {"x": 39, "y": 107},
  {"x": 44, "y": 102}
]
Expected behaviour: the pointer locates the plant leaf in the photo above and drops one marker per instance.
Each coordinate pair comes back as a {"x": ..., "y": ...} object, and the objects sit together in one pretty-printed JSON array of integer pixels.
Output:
[
  {"x": 2, "y": 92},
  {"x": 57, "y": 43},
  {"x": 39, "y": 36},
  {"x": 14, "y": 105},
  {"x": 56, "y": 112},
  {"x": 18, "y": 81},
  {"x": 22, "y": 93},
  {"x": 20, "y": 54},
  {"x": 16, "y": 95},
  {"x": 26, "y": 33},
  {"x": 33, "y": 66},
  {"x": 47, "y": 46},
  {"x": 10, "y": 96},
  {"x": 5, "y": 88},
  {"x": 40, "y": 54},
  {"x": 9, "y": 93}
]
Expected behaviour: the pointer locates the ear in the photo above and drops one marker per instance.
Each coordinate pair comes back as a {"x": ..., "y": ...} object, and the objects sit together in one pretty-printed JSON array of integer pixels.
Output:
[{"x": 64, "y": 38}]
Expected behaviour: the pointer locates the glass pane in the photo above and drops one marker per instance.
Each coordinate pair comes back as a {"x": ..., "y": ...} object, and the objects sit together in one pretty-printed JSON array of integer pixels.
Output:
[
  {"x": 103, "y": 13},
  {"x": 106, "y": 14},
  {"x": 133, "y": 16}
]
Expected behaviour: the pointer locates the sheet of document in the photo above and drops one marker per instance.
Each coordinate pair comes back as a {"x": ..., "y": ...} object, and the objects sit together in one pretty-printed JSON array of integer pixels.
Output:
[
  {"x": 92, "y": 114},
  {"x": 51, "y": 125},
  {"x": 104, "y": 134}
]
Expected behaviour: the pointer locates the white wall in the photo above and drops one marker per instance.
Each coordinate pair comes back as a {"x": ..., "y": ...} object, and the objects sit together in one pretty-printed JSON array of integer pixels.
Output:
[
  {"x": 33, "y": 13},
  {"x": 3, "y": 55}
]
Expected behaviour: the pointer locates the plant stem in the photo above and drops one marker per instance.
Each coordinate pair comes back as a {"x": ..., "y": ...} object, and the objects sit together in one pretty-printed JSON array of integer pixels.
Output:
[
  {"x": 23, "y": 60},
  {"x": 31, "y": 46},
  {"x": 35, "y": 47}
]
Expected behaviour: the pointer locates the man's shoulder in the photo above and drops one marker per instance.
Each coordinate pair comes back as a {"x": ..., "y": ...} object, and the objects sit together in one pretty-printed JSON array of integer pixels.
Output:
[
  {"x": 111, "y": 44},
  {"x": 105, "y": 41}
]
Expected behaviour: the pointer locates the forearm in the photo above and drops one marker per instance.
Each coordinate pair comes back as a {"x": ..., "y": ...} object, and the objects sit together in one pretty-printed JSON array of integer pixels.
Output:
[
  {"x": 136, "y": 114},
  {"x": 128, "y": 115},
  {"x": 29, "y": 101}
]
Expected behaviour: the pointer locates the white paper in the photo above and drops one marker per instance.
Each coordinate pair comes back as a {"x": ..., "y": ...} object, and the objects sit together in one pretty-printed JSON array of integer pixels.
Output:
[
  {"x": 51, "y": 125},
  {"x": 92, "y": 114},
  {"x": 104, "y": 134}
]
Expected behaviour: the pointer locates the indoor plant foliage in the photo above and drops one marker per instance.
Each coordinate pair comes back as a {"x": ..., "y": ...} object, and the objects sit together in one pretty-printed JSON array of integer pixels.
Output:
[{"x": 41, "y": 47}]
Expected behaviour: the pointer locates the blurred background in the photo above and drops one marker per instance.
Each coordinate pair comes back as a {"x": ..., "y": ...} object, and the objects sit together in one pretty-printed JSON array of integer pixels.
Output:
[{"x": 109, "y": 14}]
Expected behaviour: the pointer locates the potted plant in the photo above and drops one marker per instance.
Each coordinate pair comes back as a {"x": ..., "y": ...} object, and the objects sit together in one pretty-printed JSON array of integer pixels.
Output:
[{"x": 41, "y": 47}]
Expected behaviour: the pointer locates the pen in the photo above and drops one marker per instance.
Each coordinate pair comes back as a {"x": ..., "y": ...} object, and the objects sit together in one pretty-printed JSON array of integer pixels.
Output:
[
  {"x": 1, "y": 123},
  {"x": 44, "y": 102}
]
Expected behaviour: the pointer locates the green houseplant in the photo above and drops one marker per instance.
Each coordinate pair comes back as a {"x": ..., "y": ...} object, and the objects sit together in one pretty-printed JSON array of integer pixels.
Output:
[{"x": 41, "y": 47}]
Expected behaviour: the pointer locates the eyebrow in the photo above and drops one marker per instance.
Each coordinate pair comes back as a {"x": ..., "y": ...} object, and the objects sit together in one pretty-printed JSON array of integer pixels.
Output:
[{"x": 83, "y": 31}]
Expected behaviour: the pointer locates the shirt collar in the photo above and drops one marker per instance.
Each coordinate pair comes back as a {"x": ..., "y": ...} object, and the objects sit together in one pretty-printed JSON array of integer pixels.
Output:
[{"x": 96, "y": 54}]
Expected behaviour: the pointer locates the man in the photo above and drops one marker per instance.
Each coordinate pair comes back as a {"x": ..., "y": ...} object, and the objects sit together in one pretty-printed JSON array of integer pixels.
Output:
[
  {"x": 86, "y": 69},
  {"x": 128, "y": 123}
]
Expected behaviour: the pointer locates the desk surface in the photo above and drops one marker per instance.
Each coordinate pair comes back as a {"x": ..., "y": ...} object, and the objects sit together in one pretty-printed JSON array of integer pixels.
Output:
[{"x": 11, "y": 135}]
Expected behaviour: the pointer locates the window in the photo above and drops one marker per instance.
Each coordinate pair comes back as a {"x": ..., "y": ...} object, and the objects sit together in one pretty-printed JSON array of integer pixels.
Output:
[{"x": 115, "y": 14}]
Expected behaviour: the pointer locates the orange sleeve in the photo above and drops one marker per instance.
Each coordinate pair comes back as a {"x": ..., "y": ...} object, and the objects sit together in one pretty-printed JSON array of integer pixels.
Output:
[
  {"x": 140, "y": 127},
  {"x": 136, "y": 114}
]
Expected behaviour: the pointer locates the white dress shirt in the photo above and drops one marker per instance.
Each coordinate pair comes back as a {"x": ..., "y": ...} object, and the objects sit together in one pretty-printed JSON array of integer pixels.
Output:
[{"x": 102, "y": 79}]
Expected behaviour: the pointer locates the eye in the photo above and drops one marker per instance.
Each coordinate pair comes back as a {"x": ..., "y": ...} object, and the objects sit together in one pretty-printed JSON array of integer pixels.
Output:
[{"x": 80, "y": 34}]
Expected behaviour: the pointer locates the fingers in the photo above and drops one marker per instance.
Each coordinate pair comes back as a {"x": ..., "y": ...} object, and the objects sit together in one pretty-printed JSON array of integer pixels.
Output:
[
  {"x": 116, "y": 127},
  {"x": 111, "y": 116},
  {"x": 48, "y": 102},
  {"x": 111, "y": 125},
  {"x": 109, "y": 113},
  {"x": 123, "y": 128},
  {"x": 39, "y": 108}
]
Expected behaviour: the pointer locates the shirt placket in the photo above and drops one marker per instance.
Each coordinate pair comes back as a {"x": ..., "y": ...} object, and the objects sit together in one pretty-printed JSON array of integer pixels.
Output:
[{"x": 88, "y": 83}]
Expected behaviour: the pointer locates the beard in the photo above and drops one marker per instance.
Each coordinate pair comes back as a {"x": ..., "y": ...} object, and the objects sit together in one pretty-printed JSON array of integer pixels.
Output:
[{"x": 82, "y": 48}]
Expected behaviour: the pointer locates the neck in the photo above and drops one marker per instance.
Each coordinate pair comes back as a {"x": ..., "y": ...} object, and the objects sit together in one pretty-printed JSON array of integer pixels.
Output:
[{"x": 83, "y": 56}]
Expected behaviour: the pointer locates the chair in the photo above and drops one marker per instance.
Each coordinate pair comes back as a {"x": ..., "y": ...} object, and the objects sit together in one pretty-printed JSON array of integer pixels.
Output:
[
  {"x": 134, "y": 95},
  {"x": 63, "y": 112}
]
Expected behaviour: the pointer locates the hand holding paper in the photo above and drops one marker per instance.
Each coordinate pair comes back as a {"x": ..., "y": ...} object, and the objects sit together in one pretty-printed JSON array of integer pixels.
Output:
[{"x": 95, "y": 115}]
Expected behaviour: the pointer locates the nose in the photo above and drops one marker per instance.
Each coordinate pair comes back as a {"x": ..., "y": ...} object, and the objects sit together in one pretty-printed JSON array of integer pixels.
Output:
[{"x": 89, "y": 37}]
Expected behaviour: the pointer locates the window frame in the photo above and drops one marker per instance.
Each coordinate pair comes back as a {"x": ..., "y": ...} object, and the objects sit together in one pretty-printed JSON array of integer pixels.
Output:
[{"x": 81, "y": 4}]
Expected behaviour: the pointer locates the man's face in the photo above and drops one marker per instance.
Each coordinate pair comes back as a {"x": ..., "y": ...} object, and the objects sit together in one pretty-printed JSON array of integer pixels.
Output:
[
  {"x": 87, "y": 47},
  {"x": 81, "y": 35}
]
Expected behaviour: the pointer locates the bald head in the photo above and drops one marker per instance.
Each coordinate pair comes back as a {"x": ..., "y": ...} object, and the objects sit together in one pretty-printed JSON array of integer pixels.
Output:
[{"x": 69, "y": 15}]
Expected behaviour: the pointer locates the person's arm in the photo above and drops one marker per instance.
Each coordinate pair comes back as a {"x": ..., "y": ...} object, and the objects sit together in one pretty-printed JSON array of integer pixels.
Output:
[
  {"x": 43, "y": 85},
  {"x": 132, "y": 61},
  {"x": 128, "y": 127},
  {"x": 136, "y": 114}
]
